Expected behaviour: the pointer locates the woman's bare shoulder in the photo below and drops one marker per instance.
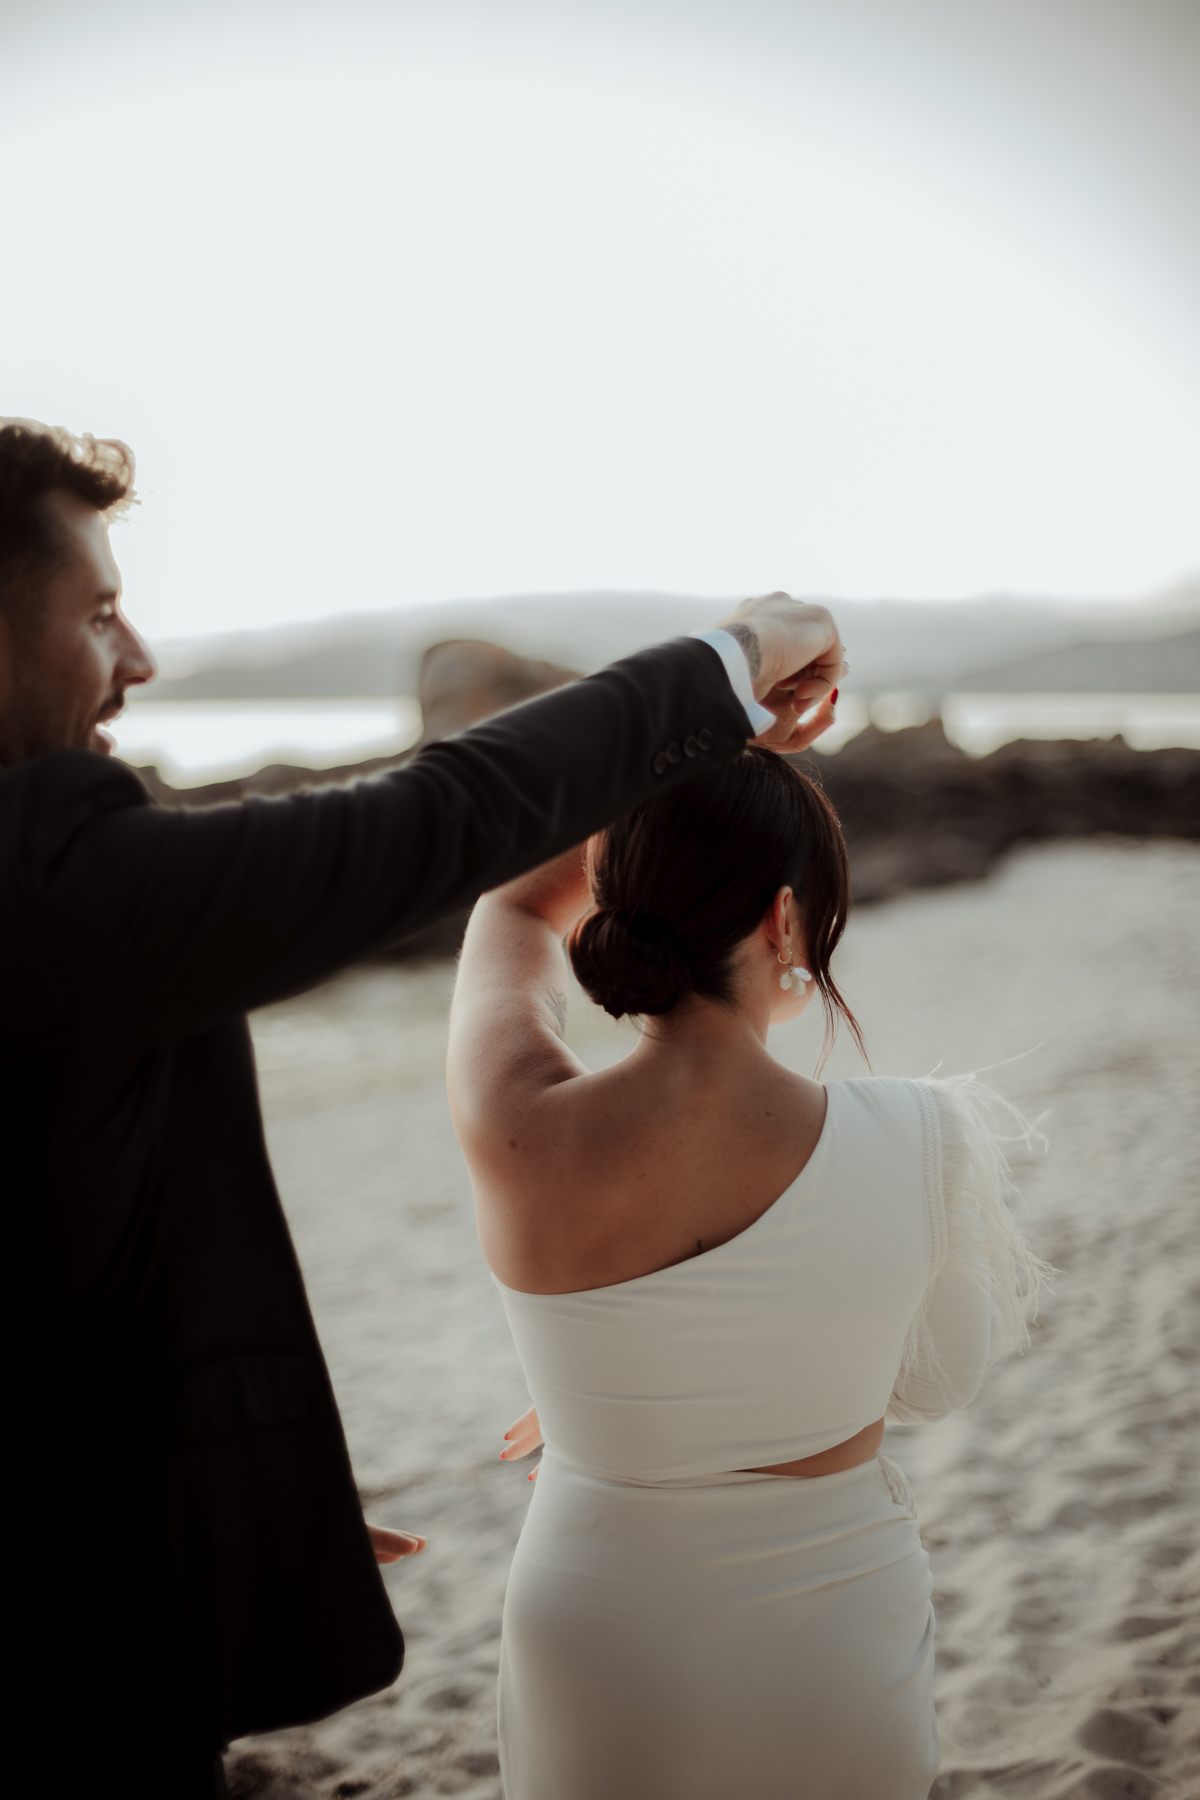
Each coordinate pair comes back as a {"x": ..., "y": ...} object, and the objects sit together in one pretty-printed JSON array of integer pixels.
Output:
[{"x": 625, "y": 1176}]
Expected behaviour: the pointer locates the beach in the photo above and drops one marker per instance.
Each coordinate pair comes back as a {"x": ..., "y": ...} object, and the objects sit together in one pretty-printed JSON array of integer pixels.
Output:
[{"x": 1060, "y": 1510}]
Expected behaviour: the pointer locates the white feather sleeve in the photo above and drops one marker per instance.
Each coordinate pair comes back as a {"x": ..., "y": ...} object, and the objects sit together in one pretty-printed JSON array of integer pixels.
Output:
[{"x": 984, "y": 1278}]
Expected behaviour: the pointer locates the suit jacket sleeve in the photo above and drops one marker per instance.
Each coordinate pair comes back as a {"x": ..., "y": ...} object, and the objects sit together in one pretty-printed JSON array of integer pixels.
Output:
[{"x": 170, "y": 919}]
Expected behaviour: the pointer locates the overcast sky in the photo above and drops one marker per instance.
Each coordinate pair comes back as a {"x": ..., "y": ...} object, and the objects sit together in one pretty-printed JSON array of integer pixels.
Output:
[{"x": 406, "y": 302}]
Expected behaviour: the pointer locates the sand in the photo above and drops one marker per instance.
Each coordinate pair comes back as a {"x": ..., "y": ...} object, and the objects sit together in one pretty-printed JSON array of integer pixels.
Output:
[{"x": 1060, "y": 1510}]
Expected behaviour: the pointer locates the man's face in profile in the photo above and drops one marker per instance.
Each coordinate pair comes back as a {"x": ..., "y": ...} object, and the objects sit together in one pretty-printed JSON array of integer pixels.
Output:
[{"x": 66, "y": 661}]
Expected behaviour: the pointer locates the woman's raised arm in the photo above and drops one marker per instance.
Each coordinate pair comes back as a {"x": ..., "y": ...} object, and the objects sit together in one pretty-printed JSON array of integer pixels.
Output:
[{"x": 507, "y": 1022}]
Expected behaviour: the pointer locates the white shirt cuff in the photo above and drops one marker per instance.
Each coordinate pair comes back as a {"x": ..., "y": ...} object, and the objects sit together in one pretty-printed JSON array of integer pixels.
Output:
[{"x": 738, "y": 671}]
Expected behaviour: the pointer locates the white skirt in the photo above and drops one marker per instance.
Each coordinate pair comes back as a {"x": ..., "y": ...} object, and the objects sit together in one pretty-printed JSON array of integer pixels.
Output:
[{"x": 744, "y": 1637}]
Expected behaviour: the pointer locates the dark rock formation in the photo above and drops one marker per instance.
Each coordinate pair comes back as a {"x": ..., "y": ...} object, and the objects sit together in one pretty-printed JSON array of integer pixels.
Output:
[
  {"x": 465, "y": 681},
  {"x": 919, "y": 812}
]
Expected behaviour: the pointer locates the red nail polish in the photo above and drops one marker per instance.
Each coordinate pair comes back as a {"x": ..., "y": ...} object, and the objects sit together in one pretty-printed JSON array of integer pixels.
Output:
[{"x": 833, "y": 698}]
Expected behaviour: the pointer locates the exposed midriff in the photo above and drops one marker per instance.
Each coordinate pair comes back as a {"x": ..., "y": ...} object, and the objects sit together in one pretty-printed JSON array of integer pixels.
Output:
[{"x": 858, "y": 1449}]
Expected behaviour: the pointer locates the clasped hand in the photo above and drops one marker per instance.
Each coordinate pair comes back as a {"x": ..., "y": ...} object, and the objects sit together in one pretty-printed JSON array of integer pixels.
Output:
[{"x": 796, "y": 661}]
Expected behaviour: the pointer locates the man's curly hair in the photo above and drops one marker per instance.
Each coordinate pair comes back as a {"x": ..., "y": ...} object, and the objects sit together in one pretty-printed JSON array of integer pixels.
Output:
[{"x": 34, "y": 460}]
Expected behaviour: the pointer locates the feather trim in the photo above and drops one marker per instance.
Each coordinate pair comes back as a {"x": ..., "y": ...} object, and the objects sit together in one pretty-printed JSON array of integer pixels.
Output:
[{"x": 968, "y": 1129}]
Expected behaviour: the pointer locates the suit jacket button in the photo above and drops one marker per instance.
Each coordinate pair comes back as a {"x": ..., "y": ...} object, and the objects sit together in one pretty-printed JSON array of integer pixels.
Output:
[
  {"x": 704, "y": 739},
  {"x": 690, "y": 747},
  {"x": 660, "y": 764},
  {"x": 674, "y": 753}
]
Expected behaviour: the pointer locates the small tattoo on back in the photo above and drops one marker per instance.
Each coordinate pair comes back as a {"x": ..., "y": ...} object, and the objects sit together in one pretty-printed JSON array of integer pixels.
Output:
[{"x": 556, "y": 1000}]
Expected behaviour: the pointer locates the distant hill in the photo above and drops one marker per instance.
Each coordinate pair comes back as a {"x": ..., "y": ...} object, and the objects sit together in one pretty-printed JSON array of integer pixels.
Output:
[
  {"x": 1169, "y": 665},
  {"x": 369, "y": 669},
  {"x": 925, "y": 646}
]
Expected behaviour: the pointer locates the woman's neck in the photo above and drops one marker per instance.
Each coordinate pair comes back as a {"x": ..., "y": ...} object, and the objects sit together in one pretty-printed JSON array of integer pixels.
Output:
[{"x": 699, "y": 1036}]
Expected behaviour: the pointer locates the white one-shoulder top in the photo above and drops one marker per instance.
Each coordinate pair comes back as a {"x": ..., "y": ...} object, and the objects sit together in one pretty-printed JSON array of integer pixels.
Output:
[{"x": 884, "y": 1280}]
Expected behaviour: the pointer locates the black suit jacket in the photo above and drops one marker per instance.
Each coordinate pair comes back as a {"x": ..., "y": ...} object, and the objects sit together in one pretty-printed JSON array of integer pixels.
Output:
[{"x": 194, "y": 1539}]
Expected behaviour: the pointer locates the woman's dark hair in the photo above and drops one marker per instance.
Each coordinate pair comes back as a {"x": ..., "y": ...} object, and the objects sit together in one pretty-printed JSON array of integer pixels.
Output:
[{"x": 679, "y": 883}]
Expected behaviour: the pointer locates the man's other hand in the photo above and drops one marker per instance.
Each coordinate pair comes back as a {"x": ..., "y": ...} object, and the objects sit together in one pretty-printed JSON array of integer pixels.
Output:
[
  {"x": 796, "y": 660},
  {"x": 390, "y": 1546}
]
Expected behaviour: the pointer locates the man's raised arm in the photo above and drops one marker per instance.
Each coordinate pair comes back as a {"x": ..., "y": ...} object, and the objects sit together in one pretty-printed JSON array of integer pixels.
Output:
[{"x": 171, "y": 919}]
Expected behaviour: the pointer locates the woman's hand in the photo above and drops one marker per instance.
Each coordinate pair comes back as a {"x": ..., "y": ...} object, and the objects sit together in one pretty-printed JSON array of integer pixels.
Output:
[
  {"x": 390, "y": 1546},
  {"x": 796, "y": 660},
  {"x": 522, "y": 1439},
  {"x": 790, "y": 731}
]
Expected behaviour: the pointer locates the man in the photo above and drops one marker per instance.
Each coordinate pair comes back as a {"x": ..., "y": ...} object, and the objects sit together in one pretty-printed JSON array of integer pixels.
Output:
[{"x": 192, "y": 1562}]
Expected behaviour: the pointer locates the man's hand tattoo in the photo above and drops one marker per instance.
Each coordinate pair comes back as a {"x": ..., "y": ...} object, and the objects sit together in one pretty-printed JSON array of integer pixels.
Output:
[{"x": 747, "y": 637}]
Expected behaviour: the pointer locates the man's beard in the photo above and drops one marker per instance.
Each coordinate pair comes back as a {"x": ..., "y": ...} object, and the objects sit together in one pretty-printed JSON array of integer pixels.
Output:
[
  {"x": 31, "y": 725},
  {"x": 105, "y": 715}
]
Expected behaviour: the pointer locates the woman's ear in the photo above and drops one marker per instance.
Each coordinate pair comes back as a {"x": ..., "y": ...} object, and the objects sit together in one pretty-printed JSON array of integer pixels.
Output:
[{"x": 780, "y": 922}]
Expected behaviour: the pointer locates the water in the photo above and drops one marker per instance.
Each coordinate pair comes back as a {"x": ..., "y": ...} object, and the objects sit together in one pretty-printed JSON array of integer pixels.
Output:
[
  {"x": 194, "y": 741},
  {"x": 980, "y": 723}
]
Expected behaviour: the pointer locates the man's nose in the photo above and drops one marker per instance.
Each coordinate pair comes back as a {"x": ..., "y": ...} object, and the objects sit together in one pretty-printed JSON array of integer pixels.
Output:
[{"x": 136, "y": 664}]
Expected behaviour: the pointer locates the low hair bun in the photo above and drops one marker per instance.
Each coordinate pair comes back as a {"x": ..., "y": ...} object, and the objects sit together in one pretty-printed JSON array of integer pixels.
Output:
[
  {"x": 683, "y": 881},
  {"x": 629, "y": 962}
]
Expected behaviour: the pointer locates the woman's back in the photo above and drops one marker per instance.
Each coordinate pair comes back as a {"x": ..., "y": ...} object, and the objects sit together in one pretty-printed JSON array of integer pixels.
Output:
[
  {"x": 610, "y": 1175},
  {"x": 780, "y": 1342}
]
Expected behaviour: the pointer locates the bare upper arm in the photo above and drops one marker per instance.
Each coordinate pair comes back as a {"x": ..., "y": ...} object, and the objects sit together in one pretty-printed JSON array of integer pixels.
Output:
[{"x": 507, "y": 1024}]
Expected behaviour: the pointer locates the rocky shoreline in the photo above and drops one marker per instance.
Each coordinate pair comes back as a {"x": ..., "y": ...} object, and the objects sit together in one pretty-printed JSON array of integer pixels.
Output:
[{"x": 918, "y": 812}]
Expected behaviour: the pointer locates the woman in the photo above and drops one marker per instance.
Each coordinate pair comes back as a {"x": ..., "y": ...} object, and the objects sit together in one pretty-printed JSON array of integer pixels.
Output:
[{"x": 720, "y": 1276}]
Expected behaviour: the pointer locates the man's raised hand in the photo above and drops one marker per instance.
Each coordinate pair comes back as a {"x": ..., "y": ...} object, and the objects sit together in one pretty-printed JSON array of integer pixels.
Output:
[{"x": 796, "y": 661}]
